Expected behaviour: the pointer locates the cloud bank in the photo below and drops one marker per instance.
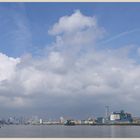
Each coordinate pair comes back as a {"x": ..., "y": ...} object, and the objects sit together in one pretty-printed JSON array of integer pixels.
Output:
[{"x": 74, "y": 76}]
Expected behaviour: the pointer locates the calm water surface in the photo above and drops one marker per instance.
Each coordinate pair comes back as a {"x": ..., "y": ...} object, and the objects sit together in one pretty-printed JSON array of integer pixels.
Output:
[{"x": 58, "y": 131}]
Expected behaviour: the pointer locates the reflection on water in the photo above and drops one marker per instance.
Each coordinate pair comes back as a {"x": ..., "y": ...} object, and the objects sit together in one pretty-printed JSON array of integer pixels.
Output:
[
  {"x": 59, "y": 131},
  {"x": 115, "y": 131}
]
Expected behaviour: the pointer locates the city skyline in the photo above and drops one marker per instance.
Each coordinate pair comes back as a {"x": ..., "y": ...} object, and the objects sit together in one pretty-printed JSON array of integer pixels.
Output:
[{"x": 69, "y": 59}]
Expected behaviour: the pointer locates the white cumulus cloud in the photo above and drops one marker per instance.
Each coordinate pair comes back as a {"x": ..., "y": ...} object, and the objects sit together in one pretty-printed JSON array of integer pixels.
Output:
[
  {"x": 73, "y": 71},
  {"x": 76, "y": 21}
]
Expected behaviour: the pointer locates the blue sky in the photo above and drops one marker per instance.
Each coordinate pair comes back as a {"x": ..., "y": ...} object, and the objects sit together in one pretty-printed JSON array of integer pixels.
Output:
[
  {"x": 69, "y": 59},
  {"x": 116, "y": 18}
]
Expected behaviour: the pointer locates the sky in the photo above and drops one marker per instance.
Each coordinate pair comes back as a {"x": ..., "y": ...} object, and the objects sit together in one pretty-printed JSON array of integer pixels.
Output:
[{"x": 69, "y": 59}]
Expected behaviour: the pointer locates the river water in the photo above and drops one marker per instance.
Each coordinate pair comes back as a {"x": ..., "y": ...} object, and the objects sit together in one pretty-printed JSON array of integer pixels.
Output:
[{"x": 60, "y": 131}]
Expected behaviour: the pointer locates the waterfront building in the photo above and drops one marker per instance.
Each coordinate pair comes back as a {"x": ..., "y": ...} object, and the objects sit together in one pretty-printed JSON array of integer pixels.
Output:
[
  {"x": 136, "y": 120},
  {"x": 120, "y": 116},
  {"x": 40, "y": 121},
  {"x": 69, "y": 122},
  {"x": 115, "y": 116},
  {"x": 62, "y": 120},
  {"x": 100, "y": 120},
  {"x": 78, "y": 122}
]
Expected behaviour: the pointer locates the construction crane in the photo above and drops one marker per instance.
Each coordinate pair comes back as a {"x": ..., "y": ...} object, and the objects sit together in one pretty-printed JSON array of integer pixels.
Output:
[{"x": 107, "y": 112}]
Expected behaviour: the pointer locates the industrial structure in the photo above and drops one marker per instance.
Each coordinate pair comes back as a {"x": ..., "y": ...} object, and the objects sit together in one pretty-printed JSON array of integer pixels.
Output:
[
  {"x": 120, "y": 116},
  {"x": 110, "y": 118}
]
